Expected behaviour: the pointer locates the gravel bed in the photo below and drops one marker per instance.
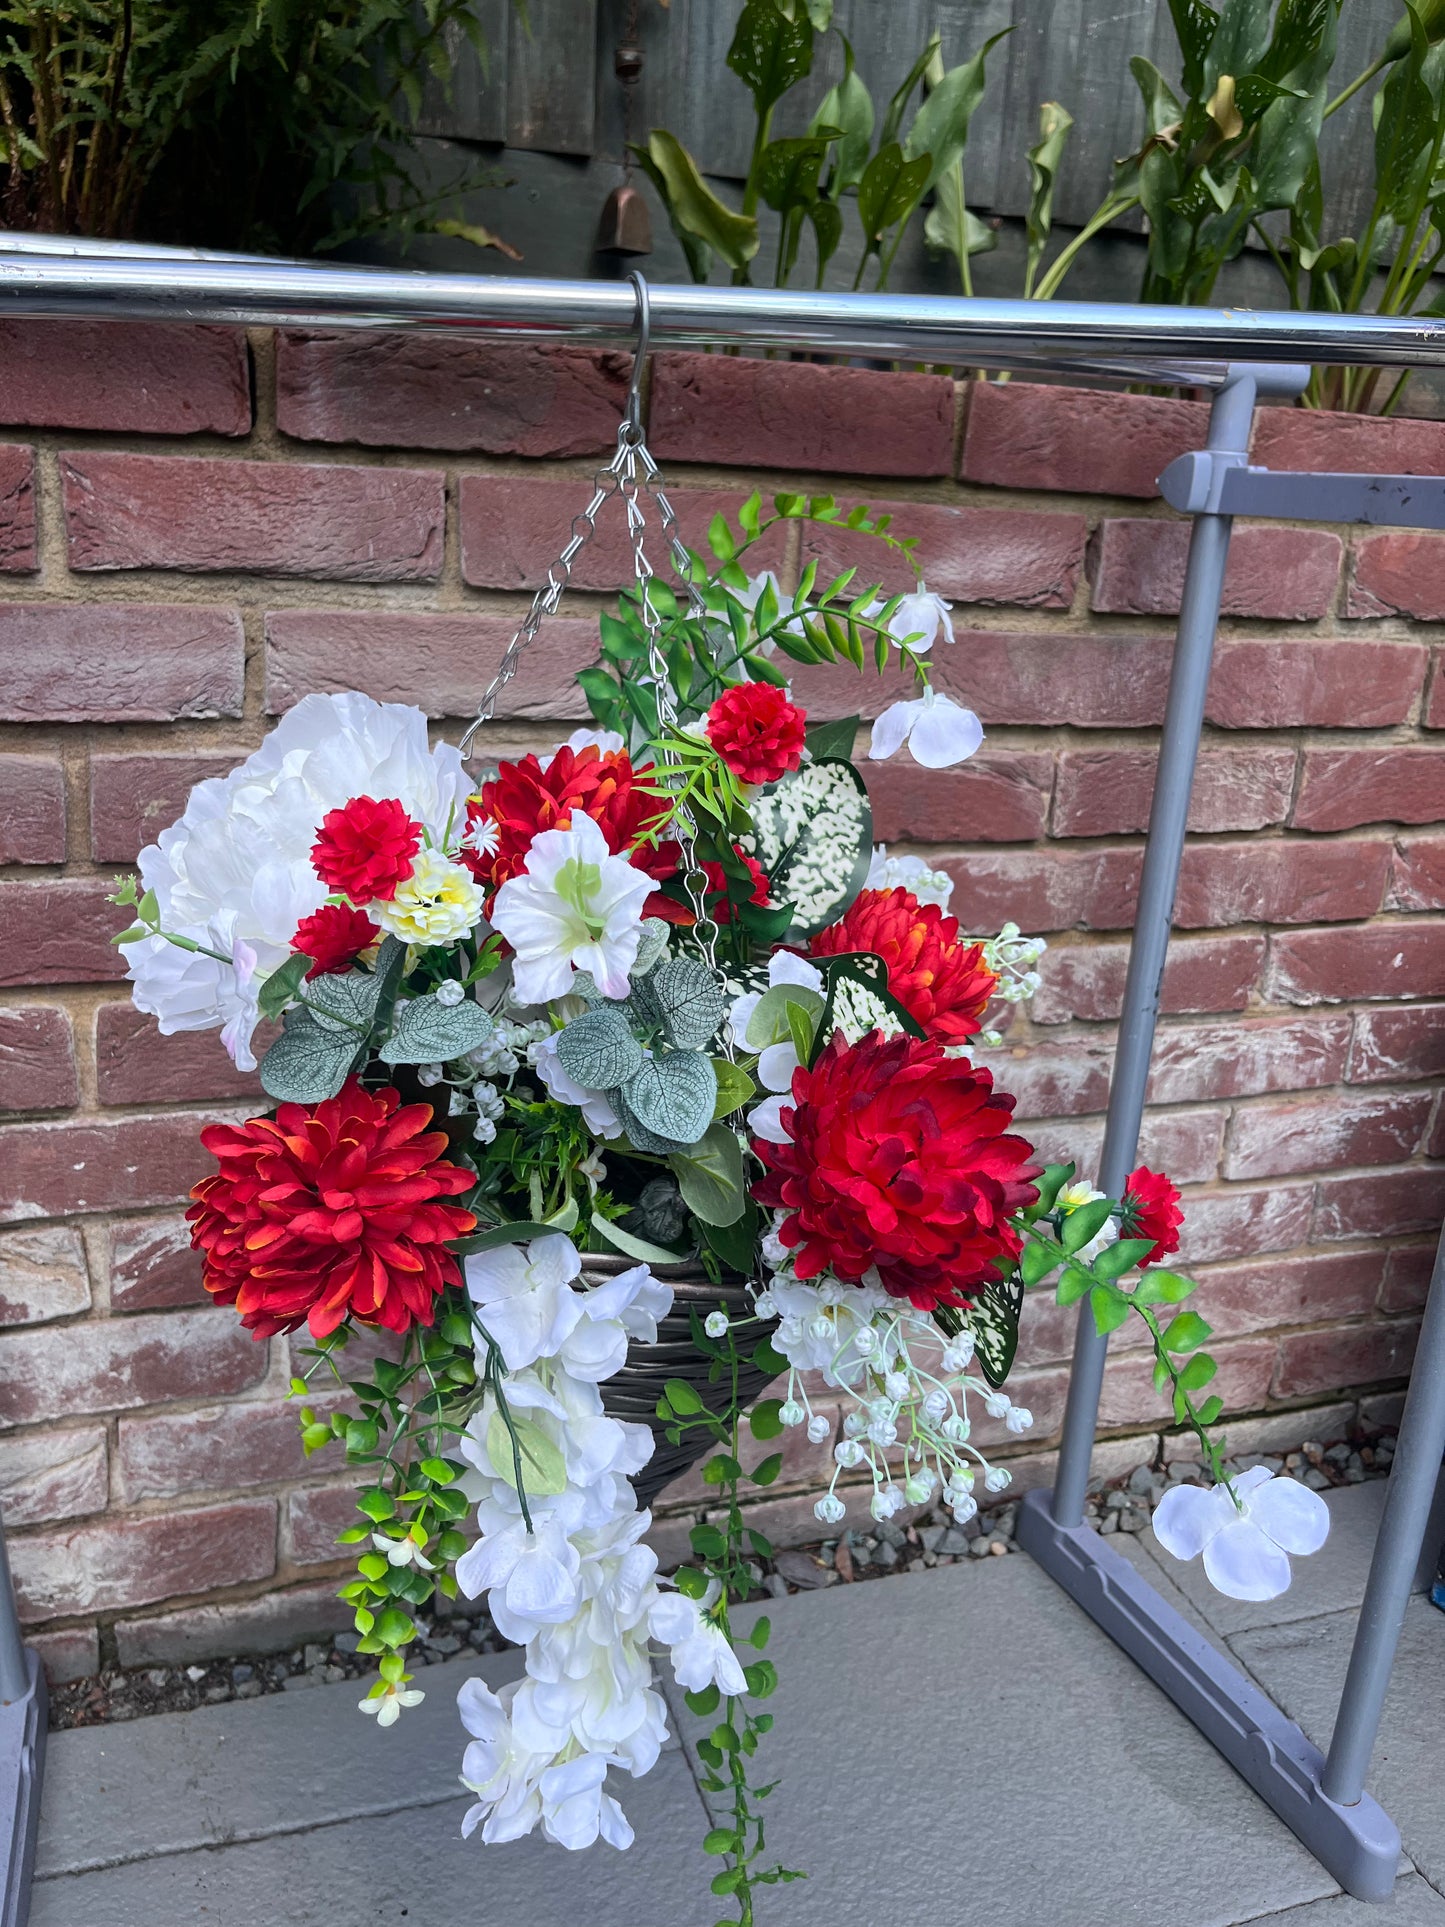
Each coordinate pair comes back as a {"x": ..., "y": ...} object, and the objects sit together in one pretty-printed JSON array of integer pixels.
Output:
[{"x": 871, "y": 1552}]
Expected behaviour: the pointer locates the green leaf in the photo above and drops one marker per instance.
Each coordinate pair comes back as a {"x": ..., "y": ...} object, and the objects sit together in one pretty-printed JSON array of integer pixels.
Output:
[
  {"x": 708, "y": 1543},
  {"x": 1073, "y": 1286},
  {"x": 283, "y": 983},
  {"x": 673, "y": 1095},
  {"x": 1084, "y": 1223},
  {"x": 768, "y": 1470},
  {"x": 630, "y": 1245},
  {"x": 940, "y": 127},
  {"x": 763, "y": 1420},
  {"x": 1044, "y": 157},
  {"x": 1194, "y": 28},
  {"x": 859, "y": 1001},
  {"x": 1036, "y": 1263},
  {"x": 307, "y": 1063},
  {"x": 849, "y": 107},
  {"x": 544, "y": 1470},
  {"x": 832, "y": 741},
  {"x": 704, "y": 1702},
  {"x": 889, "y": 191},
  {"x": 993, "y": 1319},
  {"x": 681, "y": 1397},
  {"x": 691, "y": 1583},
  {"x": 376, "y": 1504},
  {"x": 770, "y": 53},
  {"x": 1197, "y": 1373},
  {"x": 710, "y": 1175},
  {"x": 394, "y": 1628},
  {"x": 498, "y": 1235},
  {"x": 1110, "y": 1308},
  {"x": 772, "y": 1022},
  {"x": 813, "y": 834},
  {"x": 716, "y": 1839},
  {"x": 691, "y": 1001},
  {"x": 427, "y": 1031},
  {"x": 694, "y": 210},
  {"x": 1185, "y": 1332},
  {"x": 598, "y": 1049},
  {"x": 734, "y": 1087},
  {"x": 1211, "y": 1408},
  {"x": 1121, "y": 1256},
  {"x": 345, "y": 1002},
  {"x": 788, "y": 170},
  {"x": 1168, "y": 1287},
  {"x": 762, "y": 1678},
  {"x": 736, "y": 1243}
]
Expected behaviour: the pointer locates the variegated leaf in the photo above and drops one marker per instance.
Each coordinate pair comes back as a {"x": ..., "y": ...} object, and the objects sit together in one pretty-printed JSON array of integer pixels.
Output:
[{"x": 813, "y": 834}]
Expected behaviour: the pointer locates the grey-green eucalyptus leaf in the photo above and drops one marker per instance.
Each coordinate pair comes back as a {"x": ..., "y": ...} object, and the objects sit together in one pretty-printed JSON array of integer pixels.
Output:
[
  {"x": 309, "y": 1061},
  {"x": 428, "y": 1032},
  {"x": 597, "y": 1050},
  {"x": 710, "y": 1176},
  {"x": 690, "y": 999},
  {"x": 672, "y": 1094}
]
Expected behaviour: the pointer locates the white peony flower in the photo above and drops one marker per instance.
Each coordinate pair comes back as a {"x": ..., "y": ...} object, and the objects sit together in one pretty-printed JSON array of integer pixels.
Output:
[
  {"x": 939, "y": 731},
  {"x": 439, "y": 903},
  {"x": 574, "y": 907},
  {"x": 597, "y": 1113},
  {"x": 908, "y": 873},
  {"x": 700, "y": 1650},
  {"x": 1245, "y": 1546},
  {"x": 234, "y": 874}
]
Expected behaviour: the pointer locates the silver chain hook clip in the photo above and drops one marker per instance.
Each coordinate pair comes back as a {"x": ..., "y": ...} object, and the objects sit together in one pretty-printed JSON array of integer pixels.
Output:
[{"x": 632, "y": 415}]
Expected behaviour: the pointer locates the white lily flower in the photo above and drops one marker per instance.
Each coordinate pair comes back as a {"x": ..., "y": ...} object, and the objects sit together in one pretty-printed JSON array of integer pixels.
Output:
[
  {"x": 1245, "y": 1546},
  {"x": 939, "y": 731},
  {"x": 574, "y": 907},
  {"x": 1072, "y": 1198},
  {"x": 700, "y": 1650},
  {"x": 386, "y": 1706}
]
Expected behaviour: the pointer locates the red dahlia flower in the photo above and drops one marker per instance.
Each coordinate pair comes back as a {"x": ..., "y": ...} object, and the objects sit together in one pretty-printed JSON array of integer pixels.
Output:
[
  {"x": 524, "y": 799},
  {"x": 328, "y": 1211},
  {"x": 898, "y": 1157},
  {"x": 334, "y": 937},
  {"x": 757, "y": 732},
  {"x": 366, "y": 848},
  {"x": 942, "y": 983},
  {"x": 1151, "y": 1210}
]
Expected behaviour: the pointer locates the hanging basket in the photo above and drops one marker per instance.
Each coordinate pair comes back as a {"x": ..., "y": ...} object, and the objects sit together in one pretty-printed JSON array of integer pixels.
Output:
[{"x": 633, "y": 1393}]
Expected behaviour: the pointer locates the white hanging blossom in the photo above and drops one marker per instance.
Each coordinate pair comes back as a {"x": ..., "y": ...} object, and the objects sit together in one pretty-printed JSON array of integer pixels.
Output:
[
  {"x": 909, "y": 873},
  {"x": 939, "y": 731},
  {"x": 1246, "y": 1538}
]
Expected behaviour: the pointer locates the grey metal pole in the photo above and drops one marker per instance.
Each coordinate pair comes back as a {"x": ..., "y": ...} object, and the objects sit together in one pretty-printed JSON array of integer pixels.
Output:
[
  {"x": 14, "y": 1667},
  {"x": 1229, "y": 424},
  {"x": 1408, "y": 1500}
]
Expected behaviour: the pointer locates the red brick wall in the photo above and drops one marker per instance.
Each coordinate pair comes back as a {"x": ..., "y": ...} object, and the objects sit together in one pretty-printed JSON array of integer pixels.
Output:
[{"x": 179, "y": 562}]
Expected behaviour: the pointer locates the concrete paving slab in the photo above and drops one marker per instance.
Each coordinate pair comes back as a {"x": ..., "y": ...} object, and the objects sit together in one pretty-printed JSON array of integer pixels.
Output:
[
  {"x": 1414, "y": 1903},
  {"x": 979, "y": 1704},
  {"x": 1331, "y": 1580},
  {"x": 249, "y": 1768},
  {"x": 413, "y": 1867},
  {"x": 1302, "y": 1668},
  {"x": 1161, "y": 1572}
]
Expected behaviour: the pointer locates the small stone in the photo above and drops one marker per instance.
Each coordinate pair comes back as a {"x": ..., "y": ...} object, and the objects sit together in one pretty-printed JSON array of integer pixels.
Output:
[
  {"x": 1111, "y": 1523},
  {"x": 478, "y": 1637},
  {"x": 1337, "y": 1455},
  {"x": 997, "y": 1547},
  {"x": 891, "y": 1534},
  {"x": 446, "y": 1644},
  {"x": 249, "y": 1689},
  {"x": 801, "y": 1569},
  {"x": 1141, "y": 1480},
  {"x": 1134, "y": 1520},
  {"x": 1355, "y": 1470},
  {"x": 313, "y": 1657},
  {"x": 333, "y": 1675},
  {"x": 195, "y": 1673},
  {"x": 1313, "y": 1451},
  {"x": 1316, "y": 1480},
  {"x": 294, "y": 1658},
  {"x": 928, "y": 1559},
  {"x": 1185, "y": 1469},
  {"x": 776, "y": 1585},
  {"x": 1005, "y": 1519},
  {"x": 916, "y": 1564},
  {"x": 241, "y": 1673},
  {"x": 978, "y": 1548},
  {"x": 929, "y": 1537},
  {"x": 954, "y": 1541},
  {"x": 295, "y": 1681},
  {"x": 213, "y": 1695},
  {"x": 1116, "y": 1502},
  {"x": 885, "y": 1555},
  {"x": 346, "y": 1642}
]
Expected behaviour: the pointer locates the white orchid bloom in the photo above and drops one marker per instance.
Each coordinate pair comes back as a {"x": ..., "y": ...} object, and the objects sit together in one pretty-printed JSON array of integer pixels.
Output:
[
  {"x": 524, "y": 1297},
  {"x": 909, "y": 873},
  {"x": 700, "y": 1650},
  {"x": 1246, "y": 1547},
  {"x": 386, "y": 1706},
  {"x": 575, "y": 906},
  {"x": 923, "y": 617},
  {"x": 939, "y": 731},
  {"x": 597, "y": 1113},
  {"x": 402, "y": 1552}
]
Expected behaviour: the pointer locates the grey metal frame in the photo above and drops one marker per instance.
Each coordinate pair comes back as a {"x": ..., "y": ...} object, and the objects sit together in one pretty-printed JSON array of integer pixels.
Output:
[{"x": 1240, "y": 355}]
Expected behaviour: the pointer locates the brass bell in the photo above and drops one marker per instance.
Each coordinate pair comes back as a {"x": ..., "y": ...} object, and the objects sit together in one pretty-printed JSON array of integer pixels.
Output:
[{"x": 625, "y": 226}]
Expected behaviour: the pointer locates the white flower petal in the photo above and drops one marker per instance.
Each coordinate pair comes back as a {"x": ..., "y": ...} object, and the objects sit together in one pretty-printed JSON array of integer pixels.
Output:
[
  {"x": 890, "y": 731},
  {"x": 1242, "y": 1563},
  {"x": 765, "y": 1120},
  {"x": 1189, "y": 1516},
  {"x": 1297, "y": 1519},
  {"x": 776, "y": 1066},
  {"x": 944, "y": 734}
]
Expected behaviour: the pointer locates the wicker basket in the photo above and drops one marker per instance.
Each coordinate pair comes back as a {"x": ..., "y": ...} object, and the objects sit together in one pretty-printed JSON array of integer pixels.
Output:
[{"x": 633, "y": 1392}]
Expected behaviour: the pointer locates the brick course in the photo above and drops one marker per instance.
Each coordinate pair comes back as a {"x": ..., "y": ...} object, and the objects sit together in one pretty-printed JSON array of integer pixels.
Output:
[{"x": 1295, "y": 1084}]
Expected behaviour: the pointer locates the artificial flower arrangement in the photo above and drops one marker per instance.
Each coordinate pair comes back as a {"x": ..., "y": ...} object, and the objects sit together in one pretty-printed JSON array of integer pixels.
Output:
[{"x": 613, "y": 1088}]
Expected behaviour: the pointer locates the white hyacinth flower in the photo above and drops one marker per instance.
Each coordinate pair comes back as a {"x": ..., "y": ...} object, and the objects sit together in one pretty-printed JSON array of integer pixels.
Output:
[
  {"x": 939, "y": 731},
  {"x": 574, "y": 907},
  {"x": 1246, "y": 1546}
]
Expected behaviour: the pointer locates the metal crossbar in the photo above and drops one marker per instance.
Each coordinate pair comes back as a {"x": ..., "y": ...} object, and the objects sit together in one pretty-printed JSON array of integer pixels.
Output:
[{"x": 1242, "y": 356}]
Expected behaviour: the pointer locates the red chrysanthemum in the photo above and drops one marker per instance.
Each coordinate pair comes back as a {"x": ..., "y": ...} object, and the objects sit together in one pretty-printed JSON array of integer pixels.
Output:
[
  {"x": 1151, "y": 1210},
  {"x": 320, "y": 1213},
  {"x": 366, "y": 848},
  {"x": 719, "y": 903},
  {"x": 942, "y": 983},
  {"x": 757, "y": 732},
  {"x": 334, "y": 937},
  {"x": 524, "y": 799},
  {"x": 898, "y": 1157}
]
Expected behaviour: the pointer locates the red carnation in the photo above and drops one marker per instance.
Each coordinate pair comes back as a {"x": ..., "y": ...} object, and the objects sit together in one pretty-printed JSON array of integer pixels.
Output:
[
  {"x": 366, "y": 848},
  {"x": 320, "y": 1213},
  {"x": 757, "y": 732},
  {"x": 523, "y": 799},
  {"x": 941, "y": 982},
  {"x": 334, "y": 937},
  {"x": 1151, "y": 1210},
  {"x": 898, "y": 1157}
]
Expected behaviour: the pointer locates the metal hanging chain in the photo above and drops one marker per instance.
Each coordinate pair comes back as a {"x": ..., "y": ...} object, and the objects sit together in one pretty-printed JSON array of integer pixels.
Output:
[{"x": 631, "y": 474}]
